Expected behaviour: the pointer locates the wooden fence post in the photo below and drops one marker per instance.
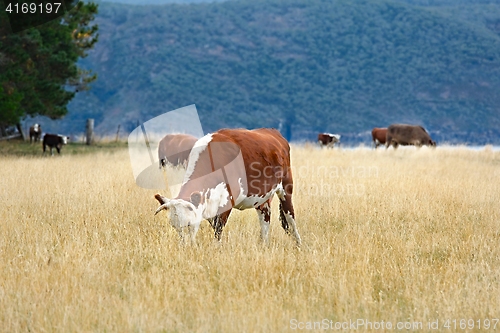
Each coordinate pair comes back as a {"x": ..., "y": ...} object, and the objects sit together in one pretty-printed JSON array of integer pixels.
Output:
[
  {"x": 90, "y": 131},
  {"x": 117, "y": 133}
]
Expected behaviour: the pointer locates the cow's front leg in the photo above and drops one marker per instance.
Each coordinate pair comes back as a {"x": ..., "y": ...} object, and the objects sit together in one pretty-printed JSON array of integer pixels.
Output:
[
  {"x": 219, "y": 222},
  {"x": 212, "y": 222},
  {"x": 193, "y": 229},
  {"x": 180, "y": 232}
]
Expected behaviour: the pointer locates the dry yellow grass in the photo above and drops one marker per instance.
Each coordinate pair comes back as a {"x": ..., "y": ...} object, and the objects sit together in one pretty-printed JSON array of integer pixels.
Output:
[{"x": 394, "y": 236}]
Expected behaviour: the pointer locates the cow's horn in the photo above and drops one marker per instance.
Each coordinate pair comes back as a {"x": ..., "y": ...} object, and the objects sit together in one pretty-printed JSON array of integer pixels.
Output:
[{"x": 162, "y": 207}]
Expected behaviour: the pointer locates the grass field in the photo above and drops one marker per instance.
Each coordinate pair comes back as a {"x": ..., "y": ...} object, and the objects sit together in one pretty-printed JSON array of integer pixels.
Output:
[{"x": 406, "y": 237}]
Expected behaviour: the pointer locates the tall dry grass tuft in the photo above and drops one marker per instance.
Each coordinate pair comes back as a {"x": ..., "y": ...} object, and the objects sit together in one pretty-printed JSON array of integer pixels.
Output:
[{"x": 394, "y": 236}]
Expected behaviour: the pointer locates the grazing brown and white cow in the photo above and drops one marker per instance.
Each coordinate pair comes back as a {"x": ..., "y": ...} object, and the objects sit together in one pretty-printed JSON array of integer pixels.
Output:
[
  {"x": 328, "y": 139},
  {"x": 54, "y": 141},
  {"x": 402, "y": 134},
  {"x": 234, "y": 168},
  {"x": 35, "y": 132},
  {"x": 174, "y": 149},
  {"x": 379, "y": 136}
]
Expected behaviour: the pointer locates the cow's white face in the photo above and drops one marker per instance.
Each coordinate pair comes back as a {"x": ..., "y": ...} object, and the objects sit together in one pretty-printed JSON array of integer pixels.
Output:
[
  {"x": 64, "y": 140},
  {"x": 202, "y": 205},
  {"x": 184, "y": 213}
]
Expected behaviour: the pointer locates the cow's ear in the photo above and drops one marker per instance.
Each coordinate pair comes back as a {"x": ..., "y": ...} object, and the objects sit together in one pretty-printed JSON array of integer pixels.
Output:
[{"x": 196, "y": 198}]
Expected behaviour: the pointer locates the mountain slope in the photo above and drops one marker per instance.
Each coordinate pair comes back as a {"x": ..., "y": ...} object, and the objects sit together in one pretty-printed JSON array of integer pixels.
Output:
[{"x": 311, "y": 65}]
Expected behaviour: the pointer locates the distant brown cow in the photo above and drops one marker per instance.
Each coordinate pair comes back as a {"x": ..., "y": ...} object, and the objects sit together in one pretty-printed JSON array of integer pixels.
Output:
[
  {"x": 402, "y": 134},
  {"x": 378, "y": 136},
  {"x": 174, "y": 149},
  {"x": 35, "y": 133}
]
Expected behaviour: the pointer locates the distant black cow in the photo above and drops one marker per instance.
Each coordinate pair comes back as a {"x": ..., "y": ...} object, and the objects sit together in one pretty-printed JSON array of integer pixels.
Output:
[
  {"x": 35, "y": 132},
  {"x": 54, "y": 140},
  {"x": 328, "y": 139}
]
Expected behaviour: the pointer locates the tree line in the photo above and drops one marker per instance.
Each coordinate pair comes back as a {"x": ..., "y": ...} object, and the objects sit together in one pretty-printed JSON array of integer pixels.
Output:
[{"x": 39, "y": 74}]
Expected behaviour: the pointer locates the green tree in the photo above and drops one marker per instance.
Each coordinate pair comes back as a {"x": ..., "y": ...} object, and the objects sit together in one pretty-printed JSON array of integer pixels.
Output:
[{"x": 38, "y": 71}]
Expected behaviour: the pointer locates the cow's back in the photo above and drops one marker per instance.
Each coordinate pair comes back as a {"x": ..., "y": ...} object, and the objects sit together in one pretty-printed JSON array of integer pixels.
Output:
[
  {"x": 264, "y": 145},
  {"x": 265, "y": 154}
]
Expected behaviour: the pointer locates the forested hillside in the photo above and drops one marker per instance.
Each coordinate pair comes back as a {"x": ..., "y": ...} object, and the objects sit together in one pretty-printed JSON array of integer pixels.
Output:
[
  {"x": 413, "y": 2},
  {"x": 159, "y": 2},
  {"x": 311, "y": 65}
]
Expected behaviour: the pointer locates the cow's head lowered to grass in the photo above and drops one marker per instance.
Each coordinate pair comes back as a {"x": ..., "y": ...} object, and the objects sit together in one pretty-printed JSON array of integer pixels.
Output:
[
  {"x": 190, "y": 213},
  {"x": 226, "y": 170}
]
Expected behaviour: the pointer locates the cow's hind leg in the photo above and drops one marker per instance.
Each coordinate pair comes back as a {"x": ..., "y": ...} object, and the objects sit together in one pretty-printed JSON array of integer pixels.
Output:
[
  {"x": 287, "y": 214},
  {"x": 264, "y": 213}
]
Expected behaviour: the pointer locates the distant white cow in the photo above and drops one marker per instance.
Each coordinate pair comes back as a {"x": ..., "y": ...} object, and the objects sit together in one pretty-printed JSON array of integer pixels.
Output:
[
  {"x": 328, "y": 139},
  {"x": 35, "y": 132}
]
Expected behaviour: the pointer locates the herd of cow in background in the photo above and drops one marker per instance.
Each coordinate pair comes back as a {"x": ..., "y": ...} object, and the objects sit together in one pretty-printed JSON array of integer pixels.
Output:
[
  {"x": 51, "y": 140},
  {"x": 394, "y": 135}
]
